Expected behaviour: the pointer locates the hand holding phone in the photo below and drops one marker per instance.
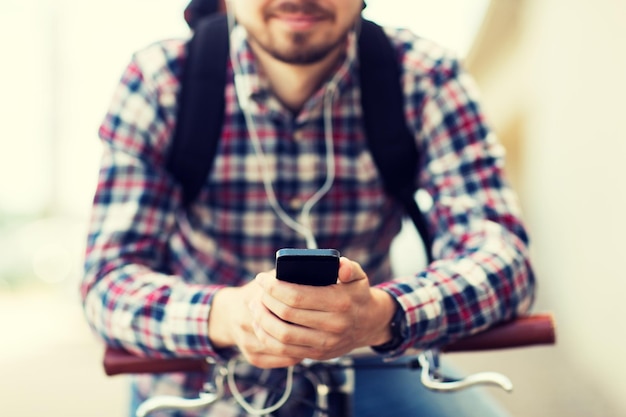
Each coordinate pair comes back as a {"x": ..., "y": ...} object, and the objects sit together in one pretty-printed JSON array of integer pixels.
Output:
[{"x": 317, "y": 267}]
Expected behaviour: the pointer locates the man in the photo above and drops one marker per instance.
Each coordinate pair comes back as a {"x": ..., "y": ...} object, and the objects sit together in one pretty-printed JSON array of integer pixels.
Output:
[{"x": 293, "y": 169}]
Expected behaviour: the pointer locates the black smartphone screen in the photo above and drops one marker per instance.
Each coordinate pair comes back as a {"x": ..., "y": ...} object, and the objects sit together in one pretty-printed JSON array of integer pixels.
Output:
[{"x": 308, "y": 266}]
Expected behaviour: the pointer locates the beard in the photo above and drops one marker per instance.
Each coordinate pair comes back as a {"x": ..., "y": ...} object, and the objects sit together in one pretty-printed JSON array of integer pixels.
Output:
[
  {"x": 299, "y": 47},
  {"x": 301, "y": 52}
]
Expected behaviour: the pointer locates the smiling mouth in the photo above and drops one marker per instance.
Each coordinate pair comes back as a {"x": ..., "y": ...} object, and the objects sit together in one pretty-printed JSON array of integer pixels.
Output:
[
  {"x": 299, "y": 19},
  {"x": 299, "y": 16}
]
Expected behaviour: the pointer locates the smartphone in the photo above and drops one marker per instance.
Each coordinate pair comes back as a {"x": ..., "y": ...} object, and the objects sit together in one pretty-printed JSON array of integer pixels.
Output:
[{"x": 308, "y": 266}]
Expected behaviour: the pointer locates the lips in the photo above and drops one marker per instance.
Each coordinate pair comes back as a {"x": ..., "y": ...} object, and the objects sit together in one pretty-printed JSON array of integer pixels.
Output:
[
  {"x": 298, "y": 14},
  {"x": 299, "y": 19}
]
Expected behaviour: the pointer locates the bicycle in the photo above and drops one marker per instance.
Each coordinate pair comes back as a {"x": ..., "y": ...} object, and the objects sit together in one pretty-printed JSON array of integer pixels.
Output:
[{"x": 333, "y": 397}]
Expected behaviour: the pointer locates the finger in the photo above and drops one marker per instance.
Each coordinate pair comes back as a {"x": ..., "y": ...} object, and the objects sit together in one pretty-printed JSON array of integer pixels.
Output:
[
  {"x": 287, "y": 338},
  {"x": 350, "y": 271},
  {"x": 306, "y": 297},
  {"x": 297, "y": 342},
  {"x": 268, "y": 327},
  {"x": 257, "y": 353},
  {"x": 266, "y": 361},
  {"x": 328, "y": 321},
  {"x": 273, "y": 331}
]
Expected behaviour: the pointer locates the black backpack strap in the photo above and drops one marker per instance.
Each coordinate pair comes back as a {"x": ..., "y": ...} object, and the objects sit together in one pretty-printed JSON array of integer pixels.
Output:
[
  {"x": 391, "y": 142},
  {"x": 196, "y": 10},
  {"x": 201, "y": 106}
]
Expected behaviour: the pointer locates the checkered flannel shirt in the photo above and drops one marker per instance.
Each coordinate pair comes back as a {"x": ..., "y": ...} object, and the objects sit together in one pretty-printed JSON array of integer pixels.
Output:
[{"x": 152, "y": 267}]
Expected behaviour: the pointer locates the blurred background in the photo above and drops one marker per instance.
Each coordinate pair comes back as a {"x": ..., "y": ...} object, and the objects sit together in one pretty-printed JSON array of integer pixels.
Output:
[{"x": 552, "y": 74}]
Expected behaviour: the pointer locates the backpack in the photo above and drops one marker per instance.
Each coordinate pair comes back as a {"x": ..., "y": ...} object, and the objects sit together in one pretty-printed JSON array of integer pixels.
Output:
[{"x": 196, "y": 136}]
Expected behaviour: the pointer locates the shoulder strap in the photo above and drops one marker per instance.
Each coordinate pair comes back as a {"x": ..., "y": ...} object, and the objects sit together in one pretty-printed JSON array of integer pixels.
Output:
[
  {"x": 201, "y": 108},
  {"x": 197, "y": 10},
  {"x": 201, "y": 114},
  {"x": 391, "y": 142}
]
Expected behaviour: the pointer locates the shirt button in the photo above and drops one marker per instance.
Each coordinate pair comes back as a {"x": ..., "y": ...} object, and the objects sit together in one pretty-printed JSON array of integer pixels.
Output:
[
  {"x": 298, "y": 135},
  {"x": 296, "y": 203}
]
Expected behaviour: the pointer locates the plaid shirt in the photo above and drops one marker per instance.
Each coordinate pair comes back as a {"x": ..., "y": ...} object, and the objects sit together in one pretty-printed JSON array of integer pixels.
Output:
[{"x": 152, "y": 267}]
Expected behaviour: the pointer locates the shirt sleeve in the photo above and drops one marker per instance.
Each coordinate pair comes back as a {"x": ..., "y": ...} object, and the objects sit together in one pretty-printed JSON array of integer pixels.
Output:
[
  {"x": 481, "y": 274},
  {"x": 130, "y": 297}
]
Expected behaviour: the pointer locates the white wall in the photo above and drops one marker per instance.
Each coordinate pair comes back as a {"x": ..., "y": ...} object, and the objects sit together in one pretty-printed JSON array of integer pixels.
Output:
[
  {"x": 574, "y": 181},
  {"x": 66, "y": 58}
]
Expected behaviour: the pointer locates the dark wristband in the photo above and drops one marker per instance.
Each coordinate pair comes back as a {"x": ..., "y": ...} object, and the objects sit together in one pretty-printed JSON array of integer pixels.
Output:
[{"x": 398, "y": 332}]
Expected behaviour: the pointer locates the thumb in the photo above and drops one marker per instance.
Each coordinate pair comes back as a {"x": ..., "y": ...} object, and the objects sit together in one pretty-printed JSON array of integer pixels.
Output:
[{"x": 350, "y": 271}]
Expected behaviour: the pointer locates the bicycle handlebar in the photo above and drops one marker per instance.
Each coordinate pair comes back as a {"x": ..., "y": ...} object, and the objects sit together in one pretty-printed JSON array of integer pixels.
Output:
[{"x": 536, "y": 329}]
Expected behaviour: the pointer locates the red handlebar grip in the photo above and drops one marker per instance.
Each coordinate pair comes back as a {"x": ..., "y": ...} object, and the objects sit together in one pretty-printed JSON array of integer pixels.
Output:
[
  {"x": 537, "y": 329},
  {"x": 121, "y": 362}
]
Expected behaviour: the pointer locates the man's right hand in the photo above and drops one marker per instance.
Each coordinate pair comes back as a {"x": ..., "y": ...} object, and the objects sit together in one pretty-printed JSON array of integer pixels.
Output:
[{"x": 230, "y": 325}]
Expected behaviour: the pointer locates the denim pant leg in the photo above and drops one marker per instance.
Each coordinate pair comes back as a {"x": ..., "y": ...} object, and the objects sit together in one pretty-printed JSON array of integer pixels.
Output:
[{"x": 397, "y": 392}]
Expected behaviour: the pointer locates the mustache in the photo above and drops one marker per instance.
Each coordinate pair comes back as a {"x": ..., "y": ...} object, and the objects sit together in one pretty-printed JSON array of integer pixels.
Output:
[{"x": 310, "y": 7}]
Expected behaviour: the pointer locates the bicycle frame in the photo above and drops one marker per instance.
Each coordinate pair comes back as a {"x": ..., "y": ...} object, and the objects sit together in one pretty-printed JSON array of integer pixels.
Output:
[{"x": 538, "y": 329}]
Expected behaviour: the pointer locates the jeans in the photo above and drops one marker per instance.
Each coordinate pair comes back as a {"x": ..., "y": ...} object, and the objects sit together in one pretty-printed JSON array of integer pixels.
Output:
[{"x": 398, "y": 392}]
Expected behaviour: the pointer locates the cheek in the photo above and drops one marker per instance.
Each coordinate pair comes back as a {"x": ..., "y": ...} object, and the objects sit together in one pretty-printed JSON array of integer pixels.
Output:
[
  {"x": 250, "y": 14},
  {"x": 353, "y": 7},
  {"x": 351, "y": 11},
  {"x": 244, "y": 10}
]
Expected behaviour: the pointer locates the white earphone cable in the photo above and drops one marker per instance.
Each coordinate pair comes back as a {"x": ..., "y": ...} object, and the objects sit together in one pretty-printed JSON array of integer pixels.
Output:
[
  {"x": 238, "y": 396},
  {"x": 242, "y": 90}
]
